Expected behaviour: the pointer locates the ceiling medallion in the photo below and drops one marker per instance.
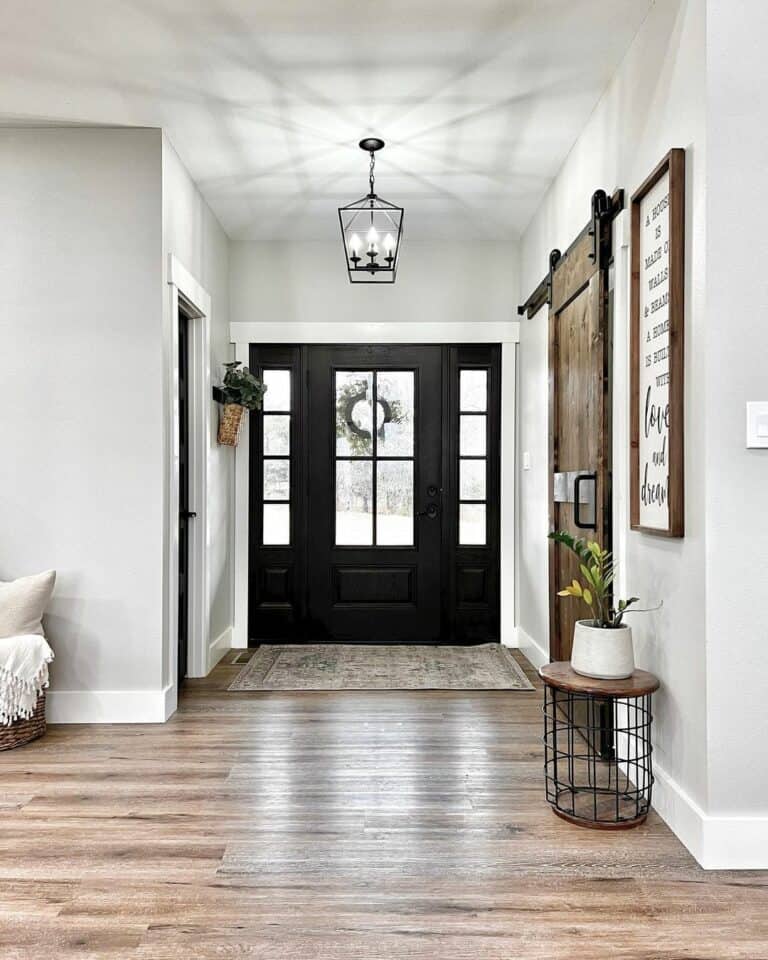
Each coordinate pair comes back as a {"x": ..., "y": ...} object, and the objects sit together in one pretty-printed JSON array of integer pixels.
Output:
[{"x": 371, "y": 229}]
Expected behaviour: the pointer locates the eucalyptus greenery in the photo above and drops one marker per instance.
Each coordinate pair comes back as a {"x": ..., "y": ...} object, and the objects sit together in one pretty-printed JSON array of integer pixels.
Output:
[
  {"x": 598, "y": 570},
  {"x": 242, "y": 387},
  {"x": 359, "y": 443}
]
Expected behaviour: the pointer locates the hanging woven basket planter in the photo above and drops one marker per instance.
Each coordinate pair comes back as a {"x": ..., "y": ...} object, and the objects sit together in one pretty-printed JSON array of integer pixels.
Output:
[
  {"x": 230, "y": 424},
  {"x": 239, "y": 391}
]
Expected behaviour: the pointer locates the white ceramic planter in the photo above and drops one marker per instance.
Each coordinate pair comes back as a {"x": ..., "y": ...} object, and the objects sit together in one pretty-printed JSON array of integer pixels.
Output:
[{"x": 602, "y": 653}]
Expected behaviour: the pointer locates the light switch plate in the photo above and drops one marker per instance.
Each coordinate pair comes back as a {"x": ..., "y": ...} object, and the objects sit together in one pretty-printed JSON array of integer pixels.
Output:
[
  {"x": 526, "y": 461},
  {"x": 757, "y": 423}
]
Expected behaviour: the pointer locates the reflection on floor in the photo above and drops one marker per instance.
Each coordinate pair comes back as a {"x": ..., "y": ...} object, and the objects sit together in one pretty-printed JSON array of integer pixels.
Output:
[{"x": 341, "y": 826}]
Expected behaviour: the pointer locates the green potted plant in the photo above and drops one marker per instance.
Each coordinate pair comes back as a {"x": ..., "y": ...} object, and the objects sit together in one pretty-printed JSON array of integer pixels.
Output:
[
  {"x": 602, "y": 645},
  {"x": 240, "y": 391}
]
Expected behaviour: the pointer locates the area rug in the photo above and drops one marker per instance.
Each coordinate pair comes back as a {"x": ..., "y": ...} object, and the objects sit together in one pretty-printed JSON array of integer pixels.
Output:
[{"x": 337, "y": 666}]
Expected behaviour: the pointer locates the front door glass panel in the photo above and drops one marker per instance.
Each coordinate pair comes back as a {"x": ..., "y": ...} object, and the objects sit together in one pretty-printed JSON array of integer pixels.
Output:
[
  {"x": 375, "y": 424},
  {"x": 394, "y": 503},
  {"x": 354, "y": 503}
]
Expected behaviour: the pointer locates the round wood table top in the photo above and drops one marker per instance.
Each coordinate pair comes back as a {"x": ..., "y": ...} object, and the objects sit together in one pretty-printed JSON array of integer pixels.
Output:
[{"x": 562, "y": 675}]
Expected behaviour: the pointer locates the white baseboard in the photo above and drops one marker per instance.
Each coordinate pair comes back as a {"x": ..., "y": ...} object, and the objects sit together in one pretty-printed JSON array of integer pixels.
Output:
[
  {"x": 110, "y": 706},
  {"x": 717, "y": 842},
  {"x": 536, "y": 654},
  {"x": 171, "y": 701},
  {"x": 218, "y": 647}
]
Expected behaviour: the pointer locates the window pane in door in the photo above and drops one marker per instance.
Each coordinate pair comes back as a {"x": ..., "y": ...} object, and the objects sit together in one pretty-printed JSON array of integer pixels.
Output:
[
  {"x": 354, "y": 413},
  {"x": 394, "y": 503},
  {"x": 277, "y": 434},
  {"x": 394, "y": 416},
  {"x": 472, "y": 436},
  {"x": 354, "y": 503},
  {"x": 473, "y": 390},
  {"x": 472, "y": 480},
  {"x": 277, "y": 524},
  {"x": 278, "y": 392},
  {"x": 276, "y": 479},
  {"x": 471, "y": 524}
]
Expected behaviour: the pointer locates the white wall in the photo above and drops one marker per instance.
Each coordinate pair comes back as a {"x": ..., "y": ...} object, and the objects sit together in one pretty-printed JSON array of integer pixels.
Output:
[
  {"x": 708, "y": 642},
  {"x": 193, "y": 235},
  {"x": 736, "y": 371},
  {"x": 437, "y": 282},
  {"x": 89, "y": 218},
  {"x": 655, "y": 102},
  {"x": 81, "y": 398}
]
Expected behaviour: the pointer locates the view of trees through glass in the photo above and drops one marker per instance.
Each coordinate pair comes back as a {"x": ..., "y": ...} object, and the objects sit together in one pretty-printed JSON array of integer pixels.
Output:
[
  {"x": 473, "y": 463},
  {"x": 374, "y": 457}
]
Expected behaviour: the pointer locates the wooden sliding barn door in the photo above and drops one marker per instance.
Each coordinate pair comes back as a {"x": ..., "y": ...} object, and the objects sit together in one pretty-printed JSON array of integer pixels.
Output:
[{"x": 579, "y": 409}]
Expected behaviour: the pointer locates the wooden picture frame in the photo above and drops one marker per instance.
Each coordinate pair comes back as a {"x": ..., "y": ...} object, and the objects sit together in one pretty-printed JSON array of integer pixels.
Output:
[{"x": 657, "y": 309}]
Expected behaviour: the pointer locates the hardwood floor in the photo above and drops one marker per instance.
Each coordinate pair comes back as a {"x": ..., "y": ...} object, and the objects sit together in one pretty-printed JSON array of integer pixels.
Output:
[{"x": 338, "y": 826}]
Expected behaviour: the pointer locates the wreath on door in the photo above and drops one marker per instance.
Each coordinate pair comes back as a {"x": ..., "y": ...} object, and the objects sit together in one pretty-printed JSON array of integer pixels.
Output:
[{"x": 357, "y": 436}]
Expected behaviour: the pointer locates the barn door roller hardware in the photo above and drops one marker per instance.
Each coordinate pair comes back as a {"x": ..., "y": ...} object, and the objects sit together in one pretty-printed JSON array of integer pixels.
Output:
[{"x": 604, "y": 209}]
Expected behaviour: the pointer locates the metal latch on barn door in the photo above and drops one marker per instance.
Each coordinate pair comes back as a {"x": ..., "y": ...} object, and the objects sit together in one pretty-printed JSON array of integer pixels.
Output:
[{"x": 578, "y": 487}]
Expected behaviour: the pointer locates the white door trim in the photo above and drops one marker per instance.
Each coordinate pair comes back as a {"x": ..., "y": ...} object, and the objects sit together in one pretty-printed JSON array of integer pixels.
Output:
[
  {"x": 505, "y": 333},
  {"x": 182, "y": 285},
  {"x": 477, "y": 331}
]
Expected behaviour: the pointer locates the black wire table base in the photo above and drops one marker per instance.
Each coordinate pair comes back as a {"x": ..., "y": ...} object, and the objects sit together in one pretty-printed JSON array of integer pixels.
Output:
[{"x": 597, "y": 757}]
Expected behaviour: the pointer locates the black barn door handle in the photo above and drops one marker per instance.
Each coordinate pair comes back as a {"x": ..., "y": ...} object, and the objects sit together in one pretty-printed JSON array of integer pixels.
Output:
[{"x": 579, "y": 479}]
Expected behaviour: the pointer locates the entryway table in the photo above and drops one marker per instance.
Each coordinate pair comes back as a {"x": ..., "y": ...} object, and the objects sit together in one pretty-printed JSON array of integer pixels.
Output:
[{"x": 597, "y": 746}]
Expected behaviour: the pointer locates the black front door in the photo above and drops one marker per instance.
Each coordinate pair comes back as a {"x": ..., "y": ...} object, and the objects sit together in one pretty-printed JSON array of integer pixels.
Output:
[
  {"x": 375, "y": 487},
  {"x": 374, "y": 494},
  {"x": 184, "y": 516}
]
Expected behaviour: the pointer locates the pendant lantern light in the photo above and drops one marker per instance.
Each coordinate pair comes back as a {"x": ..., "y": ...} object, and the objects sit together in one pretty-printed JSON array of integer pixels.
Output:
[{"x": 371, "y": 229}]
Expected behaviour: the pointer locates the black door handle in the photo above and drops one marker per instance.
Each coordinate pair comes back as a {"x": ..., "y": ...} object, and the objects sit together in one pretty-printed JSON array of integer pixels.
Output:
[
  {"x": 580, "y": 478},
  {"x": 430, "y": 511},
  {"x": 187, "y": 514}
]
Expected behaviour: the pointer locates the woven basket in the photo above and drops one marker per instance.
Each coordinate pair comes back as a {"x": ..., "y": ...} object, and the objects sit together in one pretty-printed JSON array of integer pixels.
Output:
[
  {"x": 26, "y": 729},
  {"x": 230, "y": 422}
]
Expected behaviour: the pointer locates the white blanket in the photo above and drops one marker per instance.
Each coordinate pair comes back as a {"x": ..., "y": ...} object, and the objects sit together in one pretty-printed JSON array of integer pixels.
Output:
[{"x": 23, "y": 674}]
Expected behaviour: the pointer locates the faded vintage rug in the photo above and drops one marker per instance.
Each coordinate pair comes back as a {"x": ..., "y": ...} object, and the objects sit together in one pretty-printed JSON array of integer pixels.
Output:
[{"x": 337, "y": 666}]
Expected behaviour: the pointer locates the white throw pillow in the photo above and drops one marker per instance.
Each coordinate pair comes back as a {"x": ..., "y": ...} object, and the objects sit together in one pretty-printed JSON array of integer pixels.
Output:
[{"x": 23, "y": 603}]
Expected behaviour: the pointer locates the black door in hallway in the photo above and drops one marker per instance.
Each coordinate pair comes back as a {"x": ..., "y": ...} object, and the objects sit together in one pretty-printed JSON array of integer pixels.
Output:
[
  {"x": 184, "y": 514},
  {"x": 375, "y": 481},
  {"x": 374, "y": 494}
]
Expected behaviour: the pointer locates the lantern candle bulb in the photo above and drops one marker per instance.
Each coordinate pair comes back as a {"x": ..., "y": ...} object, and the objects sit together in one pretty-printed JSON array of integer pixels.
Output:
[{"x": 354, "y": 248}]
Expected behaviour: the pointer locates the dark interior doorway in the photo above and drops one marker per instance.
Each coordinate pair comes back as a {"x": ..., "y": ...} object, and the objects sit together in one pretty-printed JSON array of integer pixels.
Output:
[
  {"x": 185, "y": 515},
  {"x": 374, "y": 494}
]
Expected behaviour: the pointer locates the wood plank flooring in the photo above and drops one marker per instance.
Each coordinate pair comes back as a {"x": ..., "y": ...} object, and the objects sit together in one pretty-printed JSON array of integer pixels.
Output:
[{"x": 338, "y": 826}]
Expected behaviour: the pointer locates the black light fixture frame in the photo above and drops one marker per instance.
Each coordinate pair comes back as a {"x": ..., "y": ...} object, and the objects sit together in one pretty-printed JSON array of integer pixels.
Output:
[{"x": 357, "y": 270}]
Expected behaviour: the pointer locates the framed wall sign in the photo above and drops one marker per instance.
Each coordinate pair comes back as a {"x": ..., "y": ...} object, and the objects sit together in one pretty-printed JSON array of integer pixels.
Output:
[{"x": 656, "y": 360}]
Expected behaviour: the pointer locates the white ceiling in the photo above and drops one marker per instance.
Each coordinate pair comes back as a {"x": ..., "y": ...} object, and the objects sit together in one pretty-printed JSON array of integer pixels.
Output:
[{"x": 479, "y": 100}]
